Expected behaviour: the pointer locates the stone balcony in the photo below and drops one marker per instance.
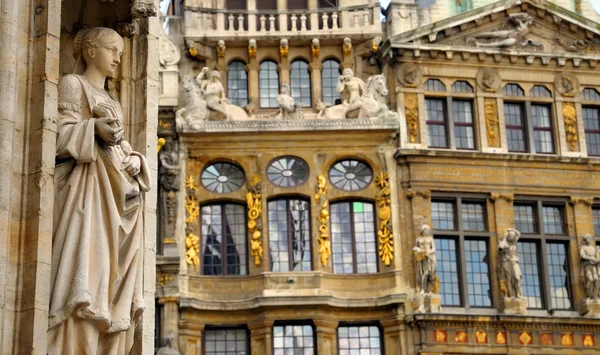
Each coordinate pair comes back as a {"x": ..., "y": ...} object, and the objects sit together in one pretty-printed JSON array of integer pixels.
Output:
[{"x": 215, "y": 24}]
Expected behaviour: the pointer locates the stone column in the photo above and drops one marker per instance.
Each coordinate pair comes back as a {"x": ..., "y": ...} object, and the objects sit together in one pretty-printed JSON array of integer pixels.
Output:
[
  {"x": 190, "y": 339},
  {"x": 326, "y": 336},
  {"x": 253, "y": 83},
  {"x": 315, "y": 74},
  {"x": 394, "y": 336},
  {"x": 170, "y": 324},
  {"x": 284, "y": 71},
  {"x": 261, "y": 337}
]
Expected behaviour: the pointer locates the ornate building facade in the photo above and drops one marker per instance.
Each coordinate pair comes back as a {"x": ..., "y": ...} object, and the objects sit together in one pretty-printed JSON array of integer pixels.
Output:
[{"x": 333, "y": 185}]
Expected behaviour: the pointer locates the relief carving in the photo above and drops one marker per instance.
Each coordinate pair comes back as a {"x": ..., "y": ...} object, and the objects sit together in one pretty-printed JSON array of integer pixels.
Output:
[
  {"x": 409, "y": 75},
  {"x": 489, "y": 79},
  {"x": 321, "y": 198},
  {"x": 567, "y": 84},
  {"x": 384, "y": 213},
  {"x": 221, "y": 49},
  {"x": 252, "y": 48},
  {"x": 513, "y": 33},
  {"x": 168, "y": 178},
  {"x": 315, "y": 48},
  {"x": 253, "y": 197},
  {"x": 491, "y": 121},
  {"x": 411, "y": 104},
  {"x": 570, "y": 118},
  {"x": 284, "y": 48}
]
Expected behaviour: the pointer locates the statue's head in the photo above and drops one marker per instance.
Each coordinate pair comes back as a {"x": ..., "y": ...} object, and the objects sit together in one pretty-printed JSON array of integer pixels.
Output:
[
  {"x": 283, "y": 43},
  {"x": 221, "y": 43},
  {"x": 252, "y": 43},
  {"x": 588, "y": 239},
  {"x": 426, "y": 230},
  {"x": 512, "y": 235},
  {"x": 347, "y": 41},
  {"x": 285, "y": 89},
  {"x": 315, "y": 42},
  {"x": 348, "y": 72},
  {"x": 215, "y": 75},
  {"x": 99, "y": 47}
]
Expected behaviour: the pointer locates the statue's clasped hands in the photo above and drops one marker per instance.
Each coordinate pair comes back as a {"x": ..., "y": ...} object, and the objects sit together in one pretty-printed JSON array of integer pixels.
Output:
[
  {"x": 132, "y": 165},
  {"x": 108, "y": 131}
]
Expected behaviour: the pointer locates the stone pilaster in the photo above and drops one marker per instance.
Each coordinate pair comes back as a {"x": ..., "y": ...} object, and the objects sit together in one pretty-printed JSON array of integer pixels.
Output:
[
  {"x": 253, "y": 87},
  {"x": 190, "y": 339},
  {"x": 261, "y": 337},
  {"x": 170, "y": 321},
  {"x": 394, "y": 333},
  {"x": 326, "y": 336},
  {"x": 315, "y": 73},
  {"x": 284, "y": 71}
]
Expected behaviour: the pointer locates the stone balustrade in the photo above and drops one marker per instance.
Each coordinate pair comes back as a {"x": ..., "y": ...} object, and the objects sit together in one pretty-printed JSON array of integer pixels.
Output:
[{"x": 204, "y": 22}]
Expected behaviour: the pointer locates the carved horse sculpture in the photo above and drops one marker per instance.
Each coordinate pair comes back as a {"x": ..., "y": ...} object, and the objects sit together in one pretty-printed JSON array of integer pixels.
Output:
[
  {"x": 372, "y": 102},
  {"x": 196, "y": 111}
]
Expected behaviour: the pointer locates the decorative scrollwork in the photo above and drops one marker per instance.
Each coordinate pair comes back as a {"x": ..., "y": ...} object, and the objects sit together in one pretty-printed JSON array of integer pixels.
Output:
[
  {"x": 321, "y": 198},
  {"x": 386, "y": 238},
  {"x": 411, "y": 104},
  {"x": 253, "y": 197},
  {"x": 570, "y": 118},
  {"x": 192, "y": 244},
  {"x": 192, "y": 208},
  {"x": 491, "y": 121}
]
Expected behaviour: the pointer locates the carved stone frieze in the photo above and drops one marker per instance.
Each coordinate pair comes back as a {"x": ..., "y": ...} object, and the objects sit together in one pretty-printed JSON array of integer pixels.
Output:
[{"x": 513, "y": 33}]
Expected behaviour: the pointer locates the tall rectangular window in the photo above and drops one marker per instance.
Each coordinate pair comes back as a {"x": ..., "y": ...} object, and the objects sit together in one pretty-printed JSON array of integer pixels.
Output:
[
  {"x": 461, "y": 243},
  {"x": 224, "y": 243},
  {"x": 596, "y": 220},
  {"x": 515, "y": 127},
  {"x": 289, "y": 235},
  {"x": 543, "y": 253},
  {"x": 435, "y": 109},
  {"x": 542, "y": 128},
  {"x": 226, "y": 341},
  {"x": 293, "y": 339},
  {"x": 591, "y": 123},
  {"x": 361, "y": 340},
  {"x": 464, "y": 132}
]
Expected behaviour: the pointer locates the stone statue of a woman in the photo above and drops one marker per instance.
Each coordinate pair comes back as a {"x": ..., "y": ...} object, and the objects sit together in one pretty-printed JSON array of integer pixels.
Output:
[{"x": 96, "y": 282}]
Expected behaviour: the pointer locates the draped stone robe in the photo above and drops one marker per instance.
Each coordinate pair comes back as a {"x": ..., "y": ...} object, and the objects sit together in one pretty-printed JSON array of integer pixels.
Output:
[{"x": 97, "y": 251}]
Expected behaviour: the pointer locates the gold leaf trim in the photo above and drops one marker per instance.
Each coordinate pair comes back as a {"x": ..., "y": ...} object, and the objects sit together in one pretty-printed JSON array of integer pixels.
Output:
[
  {"x": 253, "y": 197},
  {"x": 384, "y": 234},
  {"x": 323, "y": 238}
]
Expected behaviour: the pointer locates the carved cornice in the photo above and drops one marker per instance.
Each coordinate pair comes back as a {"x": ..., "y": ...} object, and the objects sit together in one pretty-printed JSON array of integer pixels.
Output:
[
  {"x": 508, "y": 197},
  {"x": 588, "y": 201},
  {"x": 425, "y": 194}
]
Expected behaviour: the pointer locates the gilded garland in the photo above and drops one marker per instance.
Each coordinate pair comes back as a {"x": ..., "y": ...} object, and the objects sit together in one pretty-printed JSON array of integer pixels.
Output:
[
  {"x": 491, "y": 121},
  {"x": 411, "y": 104},
  {"x": 570, "y": 117},
  {"x": 384, "y": 234},
  {"x": 192, "y": 241},
  {"x": 253, "y": 197},
  {"x": 321, "y": 198}
]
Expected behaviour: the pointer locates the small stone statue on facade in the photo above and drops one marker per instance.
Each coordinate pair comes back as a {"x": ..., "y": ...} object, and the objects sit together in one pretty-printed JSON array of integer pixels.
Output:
[
  {"x": 510, "y": 273},
  {"x": 96, "y": 288},
  {"x": 589, "y": 268},
  {"x": 513, "y": 33},
  {"x": 428, "y": 284},
  {"x": 168, "y": 348},
  {"x": 288, "y": 109},
  {"x": 212, "y": 91}
]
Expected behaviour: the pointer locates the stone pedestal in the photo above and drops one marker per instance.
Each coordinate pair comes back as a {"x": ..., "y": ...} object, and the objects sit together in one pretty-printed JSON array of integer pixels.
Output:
[
  {"x": 513, "y": 306},
  {"x": 590, "y": 308},
  {"x": 427, "y": 303}
]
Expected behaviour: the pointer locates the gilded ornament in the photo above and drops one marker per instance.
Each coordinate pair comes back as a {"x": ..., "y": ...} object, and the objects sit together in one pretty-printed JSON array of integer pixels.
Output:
[
  {"x": 315, "y": 48},
  {"x": 570, "y": 118},
  {"x": 588, "y": 340},
  {"x": 546, "y": 339},
  {"x": 566, "y": 339},
  {"x": 491, "y": 122},
  {"x": 347, "y": 46},
  {"x": 384, "y": 233},
  {"x": 192, "y": 244},
  {"x": 461, "y": 336},
  {"x": 192, "y": 208},
  {"x": 190, "y": 182},
  {"x": 440, "y": 336},
  {"x": 323, "y": 239},
  {"x": 411, "y": 103},
  {"x": 253, "y": 198},
  {"x": 501, "y": 338},
  {"x": 162, "y": 279},
  {"x": 160, "y": 143},
  {"x": 481, "y": 337},
  {"x": 284, "y": 48},
  {"x": 221, "y": 49},
  {"x": 252, "y": 48},
  {"x": 525, "y": 338}
]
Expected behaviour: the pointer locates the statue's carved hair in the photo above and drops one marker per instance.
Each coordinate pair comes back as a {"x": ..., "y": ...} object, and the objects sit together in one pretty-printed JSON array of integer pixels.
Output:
[{"x": 93, "y": 38}]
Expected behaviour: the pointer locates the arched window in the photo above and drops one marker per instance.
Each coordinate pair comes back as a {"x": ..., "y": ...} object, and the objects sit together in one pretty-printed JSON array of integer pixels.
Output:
[
  {"x": 329, "y": 79},
  {"x": 223, "y": 245},
  {"x": 354, "y": 245},
  {"x": 268, "y": 78},
  {"x": 237, "y": 84},
  {"x": 300, "y": 83},
  {"x": 289, "y": 234}
]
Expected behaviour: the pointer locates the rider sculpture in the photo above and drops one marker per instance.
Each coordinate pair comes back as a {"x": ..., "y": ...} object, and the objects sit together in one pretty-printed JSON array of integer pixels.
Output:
[{"x": 213, "y": 92}]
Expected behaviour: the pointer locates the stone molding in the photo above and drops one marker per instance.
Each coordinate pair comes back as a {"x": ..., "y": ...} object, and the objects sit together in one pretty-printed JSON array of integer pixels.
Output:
[
  {"x": 294, "y": 125},
  {"x": 425, "y": 194},
  {"x": 508, "y": 197},
  {"x": 588, "y": 201}
]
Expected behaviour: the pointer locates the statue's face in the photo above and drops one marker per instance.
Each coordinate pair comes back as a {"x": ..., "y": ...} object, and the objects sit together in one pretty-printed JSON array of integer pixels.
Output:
[{"x": 106, "y": 58}]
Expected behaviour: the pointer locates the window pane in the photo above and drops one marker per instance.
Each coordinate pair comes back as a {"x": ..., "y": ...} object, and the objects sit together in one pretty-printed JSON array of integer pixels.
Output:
[
  {"x": 473, "y": 217},
  {"x": 436, "y": 122},
  {"x": 540, "y": 91},
  {"x": 553, "y": 220},
  {"x": 234, "y": 241},
  {"x": 478, "y": 283},
  {"x": 462, "y": 114},
  {"x": 330, "y": 77},
  {"x": 462, "y": 86},
  {"x": 515, "y": 128},
  {"x": 289, "y": 235},
  {"x": 237, "y": 84},
  {"x": 447, "y": 271},
  {"x": 300, "y": 83},
  {"x": 293, "y": 339},
  {"x": 442, "y": 215},
  {"x": 222, "y": 178},
  {"x": 350, "y": 175},
  {"x": 558, "y": 264},
  {"x": 434, "y": 85},
  {"x": 596, "y": 221},
  {"x": 513, "y": 90},
  {"x": 353, "y": 237},
  {"x": 590, "y": 94},
  {"x": 591, "y": 122},
  {"x": 360, "y": 340},
  {"x": 287, "y": 171},
  {"x": 269, "y": 84},
  {"x": 525, "y": 221},
  {"x": 542, "y": 128},
  {"x": 225, "y": 341},
  {"x": 528, "y": 260}
]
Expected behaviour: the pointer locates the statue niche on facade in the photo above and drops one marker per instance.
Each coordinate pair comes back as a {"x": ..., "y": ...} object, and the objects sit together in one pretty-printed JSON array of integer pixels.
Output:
[
  {"x": 359, "y": 99},
  {"x": 96, "y": 282},
  {"x": 589, "y": 268},
  {"x": 205, "y": 101},
  {"x": 428, "y": 284},
  {"x": 168, "y": 178},
  {"x": 510, "y": 273},
  {"x": 513, "y": 33},
  {"x": 288, "y": 108}
]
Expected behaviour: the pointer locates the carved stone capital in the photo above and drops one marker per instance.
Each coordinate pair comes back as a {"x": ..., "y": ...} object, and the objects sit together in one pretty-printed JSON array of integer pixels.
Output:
[
  {"x": 315, "y": 66},
  {"x": 141, "y": 8},
  {"x": 128, "y": 29},
  {"x": 588, "y": 201},
  {"x": 165, "y": 300},
  {"x": 426, "y": 194},
  {"x": 508, "y": 197}
]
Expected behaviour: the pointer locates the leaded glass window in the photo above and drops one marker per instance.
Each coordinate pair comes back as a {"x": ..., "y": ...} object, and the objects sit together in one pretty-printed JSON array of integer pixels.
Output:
[
  {"x": 350, "y": 175},
  {"x": 596, "y": 220},
  {"x": 287, "y": 171},
  {"x": 513, "y": 90},
  {"x": 515, "y": 127},
  {"x": 462, "y": 87},
  {"x": 435, "y": 111},
  {"x": 543, "y": 253},
  {"x": 300, "y": 83},
  {"x": 362, "y": 340},
  {"x": 464, "y": 131},
  {"x": 226, "y": 341},
  {"x": 237, "y": 83},
  {"x": 461, "y": 242},
  {"x": 542, "y": 128},
  {"x": 591, "y": 123},
  {"x": 590, "y": 94},
  {"x": 268, "y": 78},
  {"x": 329, "y": 79},
  {"x": 540, "y": 91},
  {"x": 353, "y": 237},
  {"x": 434, "y": 85},
  {"x": 224, "y": 242},
  {"x": 289, "y": 235},
  {"x": 222, "y": 178},
  {"x": 293, "y": 339}
]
